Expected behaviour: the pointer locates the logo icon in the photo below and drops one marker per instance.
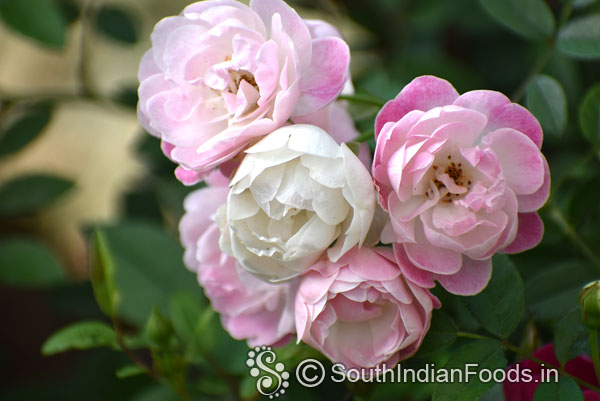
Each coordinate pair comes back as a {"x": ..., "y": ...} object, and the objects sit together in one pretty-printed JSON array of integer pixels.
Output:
[{"x": 272, "y": 377}]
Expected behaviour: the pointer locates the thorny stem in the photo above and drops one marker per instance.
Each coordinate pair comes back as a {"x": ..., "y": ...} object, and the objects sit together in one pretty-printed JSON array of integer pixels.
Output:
[
  {"x": 148, "y": 370},
  {"x": 529, "y": 356},
  {"x": 130, "y": 353},
  {"x": 546, "y": 54}
]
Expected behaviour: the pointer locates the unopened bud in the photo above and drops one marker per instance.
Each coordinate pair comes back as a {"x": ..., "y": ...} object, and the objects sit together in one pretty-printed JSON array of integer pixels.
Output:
[
  {"x": 589, "y": 299},
  {"x": 158, "y": 328}
]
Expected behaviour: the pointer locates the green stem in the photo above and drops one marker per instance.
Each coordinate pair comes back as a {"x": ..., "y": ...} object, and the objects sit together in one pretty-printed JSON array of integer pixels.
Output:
[
  {"x": 595, "y": 353},
  {"x": 83, "y": 81},
  {"x": 570, "y": 232},
  {"x": 365, "y": 99},
  {"x": 527, "y": 355},
  {"x": 546, "y": 54},
  {"x": 557, "y": 184},
  {"x": 148, "y": 370},
  {"x": 535, "y": 70}
]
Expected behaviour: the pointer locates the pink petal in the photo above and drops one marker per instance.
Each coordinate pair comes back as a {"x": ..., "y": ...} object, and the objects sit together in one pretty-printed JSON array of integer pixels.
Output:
[
  {"x": 423, "y": 93},
  {"x": 472, "y": 278},
  {"x": 433, "y": 258},
  {"x": 369, "y": 265},
  {"x": 531, "y": 230},
  {"x": 160, "y": 35},
  {"x": 148, "y": 66},
  {"x": 321, "y": 29},
  {"x": 502, "y": 113},
  {"x": 418, "y": 276},
  {"x": 267, "y": 72},
  {"x": 521, "y": 160},
  {"x": 326, "y": 76},
  {"x": 354, "y": 312},
  {"x": 189, "y": 177},
  {"x": 293, "y": 25},
  {"x": 531, "y": 203}
]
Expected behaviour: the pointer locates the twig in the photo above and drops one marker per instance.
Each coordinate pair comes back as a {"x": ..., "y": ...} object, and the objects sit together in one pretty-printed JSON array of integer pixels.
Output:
[
  {"x": 546, "y": 55},
  {"x": 84, "y": 87},
  {"x": 570, "y": 232}
]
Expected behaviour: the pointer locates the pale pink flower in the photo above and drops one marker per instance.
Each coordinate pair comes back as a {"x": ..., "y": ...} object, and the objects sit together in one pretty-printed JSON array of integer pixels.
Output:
[
  {"x": 250, "y": 309},
  {"x": 361, "y": 311},
  {"x": 222, "y": 74},
  {"x": 296, "y": 195},
  {"x": 462, "y": 177}
]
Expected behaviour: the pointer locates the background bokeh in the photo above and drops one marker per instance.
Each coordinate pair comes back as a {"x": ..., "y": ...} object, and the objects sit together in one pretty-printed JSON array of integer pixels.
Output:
[{"x": 74, "y": 158}]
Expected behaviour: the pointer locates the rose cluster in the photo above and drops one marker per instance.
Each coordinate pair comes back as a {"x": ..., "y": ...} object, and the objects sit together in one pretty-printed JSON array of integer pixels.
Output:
[{"x": 298, "y": 234}]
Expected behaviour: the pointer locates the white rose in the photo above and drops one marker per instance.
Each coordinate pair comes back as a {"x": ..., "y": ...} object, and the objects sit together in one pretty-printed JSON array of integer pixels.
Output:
[{"x": 295, "y": 193}]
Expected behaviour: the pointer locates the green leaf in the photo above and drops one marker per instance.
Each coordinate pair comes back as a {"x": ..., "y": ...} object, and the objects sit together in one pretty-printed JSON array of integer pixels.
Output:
[
  {"x": 186, "y": 314},
  {"x": 41, "y": 20},
  {"x": 552, "y": 293},
  {"x": 31, "y": 193},
  {"x": 156, "y": 392},
  {"x": 532, "y": 19},
  {"x": 480, "y": 355},
  {"x": 185, "y": 310},
  {"x": 129, "y": 371},
  {"x": 546, "y": 100},
  {"x": 441, "y": 334},
  {"x": 581, "y": 37},
  {"x": 127, "y": 96},
  {"x": 211, "y": 339},
  {"x": 500, "y": 305},
  {"x": 117, "y": 24},
  {"x": 148, "y": 269},
  {"x": 455, "y": 306},
  {"x": 69, "y": 9},
  {"x": 496, "y": 393},
  {"x": 25, "y": 129},
  {"x": 81, "y": 335},
  {"x": 24, "y": 262},
  {"x": 571, "y": 337},
  {"x": 589, "y": 115},
  {"x": 565, "y": 390},
  {"x": 102, "y": 269}
]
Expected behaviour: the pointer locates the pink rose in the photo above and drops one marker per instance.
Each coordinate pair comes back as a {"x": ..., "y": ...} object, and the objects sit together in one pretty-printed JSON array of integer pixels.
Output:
[
  {"x": 462, "y": 178},
  {"x": 361, "y": 311},
  {"x": 581, "y": 367},
  {"x": 250, "y": 308},
  {"x": 221, "y": 74}
]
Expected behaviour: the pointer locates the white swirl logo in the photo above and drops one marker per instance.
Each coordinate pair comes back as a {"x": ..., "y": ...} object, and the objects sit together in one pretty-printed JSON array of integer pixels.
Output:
[
  {"x": 273, "y": 382},
  {"x": 310, "y": 373}
]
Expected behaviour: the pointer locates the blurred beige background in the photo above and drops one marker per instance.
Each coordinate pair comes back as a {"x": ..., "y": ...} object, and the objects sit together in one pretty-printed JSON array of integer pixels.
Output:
[{"x": 92, "y": 142}]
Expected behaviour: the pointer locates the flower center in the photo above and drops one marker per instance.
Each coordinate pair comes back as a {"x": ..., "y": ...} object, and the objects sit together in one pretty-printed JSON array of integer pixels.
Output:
[
  {"x": 451, "y": 182},
  {"x": 237, "y": 76}
]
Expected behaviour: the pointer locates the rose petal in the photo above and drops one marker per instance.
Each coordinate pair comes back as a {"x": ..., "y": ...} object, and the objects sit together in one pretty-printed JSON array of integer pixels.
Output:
[{"x": 423, "y": 93}]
